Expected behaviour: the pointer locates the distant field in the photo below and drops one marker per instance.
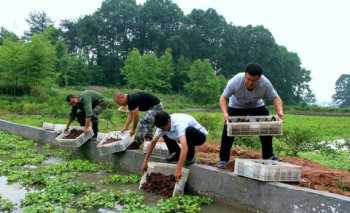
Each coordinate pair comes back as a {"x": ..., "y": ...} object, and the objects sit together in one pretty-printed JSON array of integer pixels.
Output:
[
  {"x": 51, "y": 107},
  {"x": 326, "y": 127}
]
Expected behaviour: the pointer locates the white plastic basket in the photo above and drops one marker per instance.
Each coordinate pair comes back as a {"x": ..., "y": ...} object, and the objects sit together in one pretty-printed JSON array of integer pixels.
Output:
[
  {"x": 122, "y": 143},
  {"x": 166, "y": 169},
  {"x": 267, "y": 170},
  {"x": 54, "y": 127},
  {"x": 254, "y": 125},
  {"x": 74, "y": 143},
  {"x": 159, "y": 150}
]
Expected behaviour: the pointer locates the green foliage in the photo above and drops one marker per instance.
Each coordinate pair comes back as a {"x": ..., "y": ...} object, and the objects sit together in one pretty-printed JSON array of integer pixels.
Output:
[
  {"x": 203, "y": 85},
  {"x": 38, "y": 22},
  {"x": 342, "y": 91},
  {"x": 148, "y": 71},
  {"x": 60, "y": 188},
  {"x": 6, "y": 205},
  {"x": 186, "y": 204},
  {"x": 299, "y": 140},
  {"x": 110, "y": 33},
  {"x": 5, "y": 34},
  {"x": 28, "y": 65},
  {"x": 123, "y": 179},
  {"x": 97, "y": 199},
  {"x": 107, "y": 199},
  {"x": 337, "y": 160}
]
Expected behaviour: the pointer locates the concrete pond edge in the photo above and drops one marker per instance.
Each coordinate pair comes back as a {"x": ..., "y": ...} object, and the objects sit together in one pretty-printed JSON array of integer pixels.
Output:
[{"x": 207, "y": 180}]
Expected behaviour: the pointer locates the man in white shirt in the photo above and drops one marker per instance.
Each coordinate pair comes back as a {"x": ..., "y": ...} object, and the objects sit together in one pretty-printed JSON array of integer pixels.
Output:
[{"x": 176, "y": 128}]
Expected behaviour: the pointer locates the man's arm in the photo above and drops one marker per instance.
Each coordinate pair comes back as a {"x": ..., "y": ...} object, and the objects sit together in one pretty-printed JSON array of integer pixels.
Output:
[
  {"x": 128, "y": 121},
  {"x": 183, "y": 155},
  {"x": 88, "y": 124},
  {"x": 71, "y": 117},
  {"x": 223, "y": 106},
  {"x": 149, "y": 152},
  {"x": 277, "y": 102},
  {"x": 68, "y": 124},
  {"x": 135, "y": 121}
]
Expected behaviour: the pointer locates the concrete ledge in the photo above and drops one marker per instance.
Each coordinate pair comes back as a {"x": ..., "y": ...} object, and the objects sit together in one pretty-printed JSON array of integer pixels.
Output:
[{"x": 255, "y": 195}]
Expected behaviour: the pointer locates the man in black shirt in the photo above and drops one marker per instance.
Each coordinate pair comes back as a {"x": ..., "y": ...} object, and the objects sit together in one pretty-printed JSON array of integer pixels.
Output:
[{"x": 144, "y": 102}]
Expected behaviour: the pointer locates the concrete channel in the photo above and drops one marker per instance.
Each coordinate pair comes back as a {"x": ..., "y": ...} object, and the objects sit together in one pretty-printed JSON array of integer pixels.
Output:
[{"x": 207, "y": 180}]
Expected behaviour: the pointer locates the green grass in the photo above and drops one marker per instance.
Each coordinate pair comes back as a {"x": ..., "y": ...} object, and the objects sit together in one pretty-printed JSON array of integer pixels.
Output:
[
  {"x": 52, "y": 108},
  {"x": 340, "y": 160},
  {"x": 61, "y": 187},
  {"x": 325, "y": 127}
]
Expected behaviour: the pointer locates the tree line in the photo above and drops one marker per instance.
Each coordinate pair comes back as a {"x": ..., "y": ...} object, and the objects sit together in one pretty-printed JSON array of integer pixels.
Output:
[{"x": 156, "y": 46}]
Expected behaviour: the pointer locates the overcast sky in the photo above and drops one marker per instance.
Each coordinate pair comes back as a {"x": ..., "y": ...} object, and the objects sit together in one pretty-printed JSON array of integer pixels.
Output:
[{"x": 318, "y": 30}]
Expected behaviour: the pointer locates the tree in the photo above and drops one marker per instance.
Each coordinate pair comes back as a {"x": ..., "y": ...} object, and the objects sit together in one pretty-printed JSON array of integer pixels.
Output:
[
  {"x": 132, "y": 69},
  {"x": 158, "y": 25},
  {"x": 39, "y": 61},
  {"x": 38, "y": 22},
  {"x": 5, "y": 34},
  {"x": 166, "y": 70},
  {"x": 342, "y": 91},
  {"x": 105, "y": 39},
  {"x": 148, "y": 71},
  {"x": 203, "y": 86},
  {"x": 180, "y": 77},
  {"x": 12, "y": 65}
]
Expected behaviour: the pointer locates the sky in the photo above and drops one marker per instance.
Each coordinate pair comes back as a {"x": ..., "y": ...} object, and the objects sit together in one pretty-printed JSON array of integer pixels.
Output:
[{"x": 317, "y": 30}]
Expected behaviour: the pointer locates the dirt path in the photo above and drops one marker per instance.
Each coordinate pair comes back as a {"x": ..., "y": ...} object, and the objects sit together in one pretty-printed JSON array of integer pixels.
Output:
[{"x": 314, "y": 175}]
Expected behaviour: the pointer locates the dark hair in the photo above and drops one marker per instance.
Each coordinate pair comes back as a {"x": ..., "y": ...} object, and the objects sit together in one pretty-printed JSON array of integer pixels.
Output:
[
  {"x": 161, "y": 119},
  {"x": 69, "y": 97},
  {"x": 254, "y": 69}
]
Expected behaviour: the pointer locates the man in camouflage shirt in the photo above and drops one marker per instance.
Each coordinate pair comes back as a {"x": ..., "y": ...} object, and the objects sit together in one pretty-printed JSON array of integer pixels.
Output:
[{"x": 86, "y": 107}]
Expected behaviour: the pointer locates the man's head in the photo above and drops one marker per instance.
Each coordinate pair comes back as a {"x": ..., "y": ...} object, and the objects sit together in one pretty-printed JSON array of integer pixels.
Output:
[
  {"x": 162, "y": 121},
  {"x": 72, "y": 100},
  {"x": 120, "y": 98},
  {"x": 253, "y": 73}
]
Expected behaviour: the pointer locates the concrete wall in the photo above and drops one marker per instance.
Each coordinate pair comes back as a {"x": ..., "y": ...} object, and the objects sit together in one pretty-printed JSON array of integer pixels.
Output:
[{"x": 255, "y": 195}]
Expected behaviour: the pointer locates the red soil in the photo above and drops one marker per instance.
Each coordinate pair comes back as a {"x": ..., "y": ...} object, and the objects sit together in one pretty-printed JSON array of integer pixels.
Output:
[
  {"x": 160, "y": 184},
  {"x": 314, "y": 175},
  {"x": 110, "y": 140},
  {"x": 73, "y": 134}
]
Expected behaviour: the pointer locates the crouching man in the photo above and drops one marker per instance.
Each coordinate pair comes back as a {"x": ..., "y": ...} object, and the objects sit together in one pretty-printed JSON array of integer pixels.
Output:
[
  {"x": 136, "y": 102},
  {"x": 86, "y": 107},
  {"x": 177, "y": 128}
]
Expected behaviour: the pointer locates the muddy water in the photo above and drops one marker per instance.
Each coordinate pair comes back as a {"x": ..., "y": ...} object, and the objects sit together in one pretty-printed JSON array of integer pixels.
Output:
[
  {"x": 15, "y": 193},
  {"x": 152, "y": 199}
]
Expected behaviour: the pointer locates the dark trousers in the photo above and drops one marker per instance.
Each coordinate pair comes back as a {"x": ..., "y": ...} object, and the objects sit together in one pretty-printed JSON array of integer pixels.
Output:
[
  {"x": 194, "y": 137},
  {"x": 94, "y": 119},
  {"x": 226, "y": 141}
]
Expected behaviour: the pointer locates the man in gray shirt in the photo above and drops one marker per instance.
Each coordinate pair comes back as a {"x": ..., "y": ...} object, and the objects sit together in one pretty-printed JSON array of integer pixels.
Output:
[{"x": 244, "y": 95}]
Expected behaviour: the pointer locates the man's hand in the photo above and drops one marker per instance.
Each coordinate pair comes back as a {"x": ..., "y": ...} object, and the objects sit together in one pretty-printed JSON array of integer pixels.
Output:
[
  {"x": 144, "y": 166},
  {"x": 87, "y": 129},
  {"x": 226, "y": 116},
  {"x": 178, "y": 173},
  {"x": 132, "y": 132},
  {"x": 280, "y": 115},
  {"x": 124, "y": 130}
]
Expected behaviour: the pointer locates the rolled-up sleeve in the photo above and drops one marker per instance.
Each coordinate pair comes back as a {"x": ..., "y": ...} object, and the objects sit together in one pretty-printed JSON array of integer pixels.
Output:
[
  {"x": 270, "y": 93},
  {"x": 87, "y": 104},
  {"x": 230, "y": 88},
  {"x": 159, "y": 133}
]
